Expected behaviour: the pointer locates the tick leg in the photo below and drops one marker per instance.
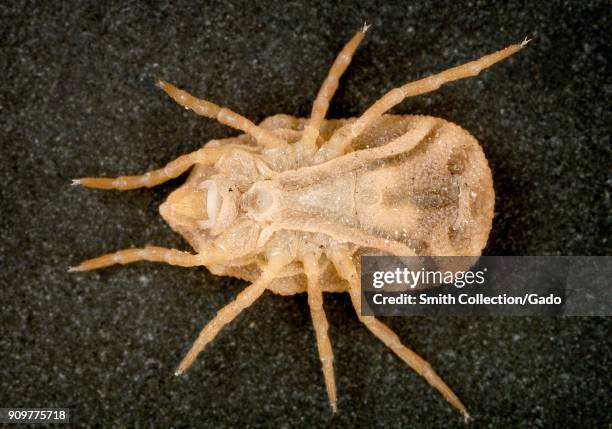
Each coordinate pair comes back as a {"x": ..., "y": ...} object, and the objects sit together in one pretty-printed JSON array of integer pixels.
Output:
[
  {"x": 319, "y": 321},
  {"x": 174, "y": 169},
  {"x": 149, "y": 253},
  {"x": 233, "y": 309},
  {"x": 343, "y": 137},
  {"x": 223, "y": 115},
  {"x": 347, "y": 271},
  {"x": 327, "y": 90}
]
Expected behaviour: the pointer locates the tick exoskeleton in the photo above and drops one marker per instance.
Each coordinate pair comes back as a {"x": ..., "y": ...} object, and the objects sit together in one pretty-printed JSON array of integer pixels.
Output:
[{"x": 291, "y": 204}]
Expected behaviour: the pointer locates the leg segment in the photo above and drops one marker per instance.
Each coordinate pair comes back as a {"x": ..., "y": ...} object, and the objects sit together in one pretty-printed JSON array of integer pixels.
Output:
[
  {"x": 156, "y": 177},
  {"x": 329, "y": 87},
  {"x": 149, "y": 253},
  {"x": 343, "y": 137},
  {"x": 319, "y": 321},
  {"x": 346, "y": 269},
  {"x": 232, "y": 310},
  {"x": 223, "y": 115}
]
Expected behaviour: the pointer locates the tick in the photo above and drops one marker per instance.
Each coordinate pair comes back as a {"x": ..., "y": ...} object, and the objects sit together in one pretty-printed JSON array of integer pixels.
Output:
[{"x": 291, "y": 204}]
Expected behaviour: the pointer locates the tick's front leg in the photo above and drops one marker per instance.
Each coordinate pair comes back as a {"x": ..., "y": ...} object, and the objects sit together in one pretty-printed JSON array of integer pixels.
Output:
[
  {"x": 153, "y": 178},
  {"x": 151, "y": 254}
]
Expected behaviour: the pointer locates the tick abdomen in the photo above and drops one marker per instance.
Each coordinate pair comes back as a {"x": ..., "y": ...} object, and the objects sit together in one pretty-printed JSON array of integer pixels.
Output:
[{"x": 411, "y": 179}]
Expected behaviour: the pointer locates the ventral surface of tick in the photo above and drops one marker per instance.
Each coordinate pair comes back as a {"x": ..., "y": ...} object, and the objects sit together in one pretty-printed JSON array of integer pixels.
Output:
[{"x": 291, "y": 204}]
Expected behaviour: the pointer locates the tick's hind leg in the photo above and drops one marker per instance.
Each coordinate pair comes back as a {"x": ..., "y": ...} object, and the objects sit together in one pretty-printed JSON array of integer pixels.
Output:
[
  {"x": 223, "y": 115},
  {"x": 173, "y": 169},
  {"x": 328, "y": 89},
  {"x": 233, "y": 309},
  {"x": 347, "y": 271},
  {"x": 343, "y": 137},
  {"x": 319, "y": 322}
]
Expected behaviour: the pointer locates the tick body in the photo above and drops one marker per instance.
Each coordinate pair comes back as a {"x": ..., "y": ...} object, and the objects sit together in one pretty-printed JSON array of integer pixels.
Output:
[{"x": 291, "y": 204}]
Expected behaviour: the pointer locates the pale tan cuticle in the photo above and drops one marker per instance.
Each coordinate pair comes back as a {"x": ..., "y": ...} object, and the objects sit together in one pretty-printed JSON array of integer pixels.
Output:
[{"x": 291, "y": 204}]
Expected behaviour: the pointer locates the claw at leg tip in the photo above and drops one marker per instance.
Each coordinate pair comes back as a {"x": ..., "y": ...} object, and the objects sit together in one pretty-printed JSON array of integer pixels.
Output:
[
  {"x": 74, "y": 269},
  {"x": 466, "y": 417},
  {"x": 178, "y": 372},
  {"x": 75, "y": 182},
  {"x": 365, "y": 27},
  {"x": 525, "y": 42}
]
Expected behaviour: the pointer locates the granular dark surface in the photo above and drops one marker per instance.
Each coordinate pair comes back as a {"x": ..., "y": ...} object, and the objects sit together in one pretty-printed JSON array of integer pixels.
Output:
[{"x": 78, "y": 98}]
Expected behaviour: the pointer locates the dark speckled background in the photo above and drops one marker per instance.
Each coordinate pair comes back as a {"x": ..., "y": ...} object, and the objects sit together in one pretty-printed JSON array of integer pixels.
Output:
[{"x": 77, "y": 98}]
